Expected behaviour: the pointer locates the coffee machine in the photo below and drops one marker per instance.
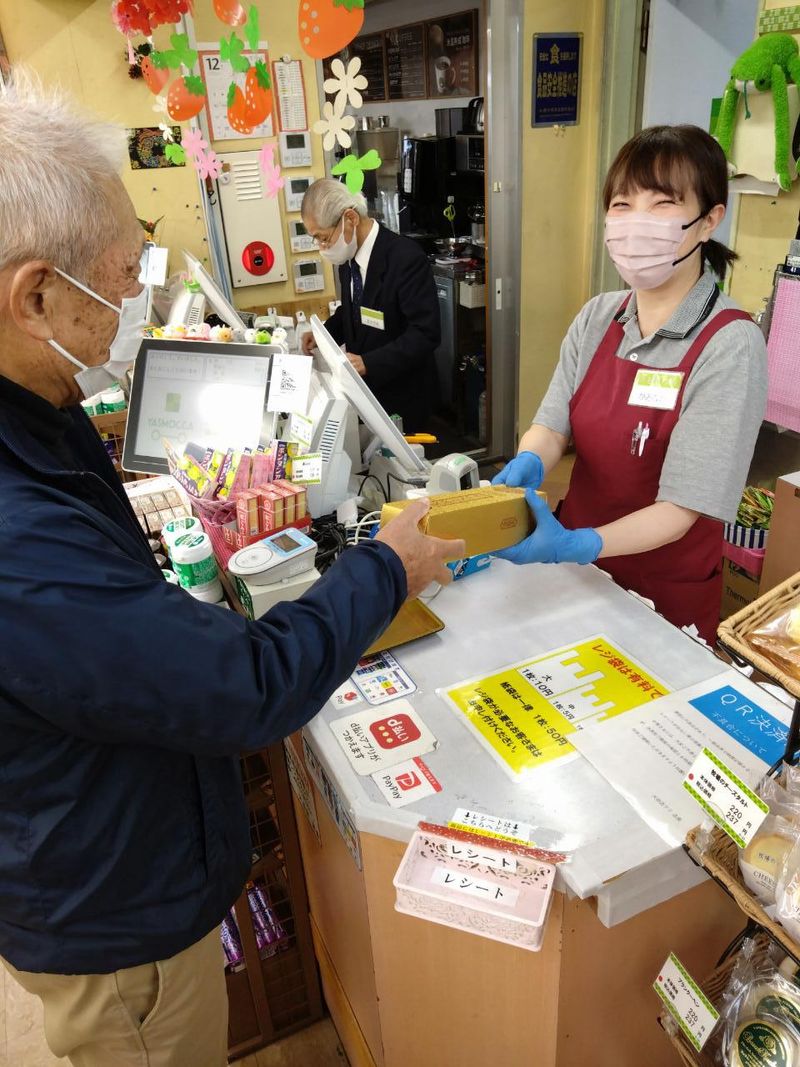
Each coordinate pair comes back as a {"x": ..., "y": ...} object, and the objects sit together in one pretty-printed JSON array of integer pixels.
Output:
[{"x": 426, "y": 170}]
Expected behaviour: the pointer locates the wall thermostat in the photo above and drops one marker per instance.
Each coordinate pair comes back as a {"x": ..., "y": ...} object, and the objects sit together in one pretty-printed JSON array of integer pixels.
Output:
[
  {"x": 295, "y": 149},
  {"x": 299, "y": 239},
  {"x": 308, "y": 277},
  {"x": 294, "y": 191},
  {"x": 281, "y": 556}
]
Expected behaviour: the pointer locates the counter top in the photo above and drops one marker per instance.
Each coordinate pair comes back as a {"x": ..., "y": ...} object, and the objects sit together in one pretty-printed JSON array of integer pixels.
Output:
[{"x": 499, "y": 617}]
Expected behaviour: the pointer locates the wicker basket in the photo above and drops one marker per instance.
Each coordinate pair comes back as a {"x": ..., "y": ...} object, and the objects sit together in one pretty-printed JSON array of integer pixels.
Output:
[
  {"x": 714, "y": 987},
  {"x": 721, "y": 861},
  {"x": 732, "y": 632}
]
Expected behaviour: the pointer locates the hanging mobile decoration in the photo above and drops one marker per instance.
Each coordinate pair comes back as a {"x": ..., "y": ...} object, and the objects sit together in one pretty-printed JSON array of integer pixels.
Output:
[
  {"x": 186, "y": 95},
  {"x": 231, "y": 12},
  {"x": 347, "y": 83},
  {"x": 251, "y": 105},
  {"x": 273, "y": 180},
  {"x": 334, "y": 126},
  {"x": 352, "y": 168},
  {"x": 327, "y": 26},
  {"x": 133, "y": 17}
]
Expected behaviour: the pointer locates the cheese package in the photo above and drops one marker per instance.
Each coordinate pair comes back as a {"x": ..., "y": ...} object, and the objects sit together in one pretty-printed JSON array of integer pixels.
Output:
[
  {"x": 762, "y": 861},
  {"x": 488, "y": 519}
]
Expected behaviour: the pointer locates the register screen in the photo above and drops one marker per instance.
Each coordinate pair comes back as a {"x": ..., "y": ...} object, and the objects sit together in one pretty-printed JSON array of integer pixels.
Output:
[{"x": 186, "y": 394}]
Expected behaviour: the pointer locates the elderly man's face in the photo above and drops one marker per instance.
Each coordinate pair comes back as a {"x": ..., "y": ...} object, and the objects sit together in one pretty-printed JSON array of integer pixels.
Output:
[{"x": 86, "y": 328}]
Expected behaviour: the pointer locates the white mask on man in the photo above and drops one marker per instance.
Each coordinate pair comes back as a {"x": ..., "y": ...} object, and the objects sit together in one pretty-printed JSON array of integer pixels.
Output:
[
  {"x": 123, "y": 349},
  {"x": 342, "y": 251}
]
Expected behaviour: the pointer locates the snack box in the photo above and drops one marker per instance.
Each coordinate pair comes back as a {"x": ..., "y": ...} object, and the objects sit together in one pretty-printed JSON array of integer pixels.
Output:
[
  {"x": 488, "y": 519},
  {"x": 476, "y": 888}
]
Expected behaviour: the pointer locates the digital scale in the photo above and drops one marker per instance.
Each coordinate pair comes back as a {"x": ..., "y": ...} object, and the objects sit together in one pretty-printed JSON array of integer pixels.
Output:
[
  {"x": 299, "y": 238},
  {"x": 308, "y": 277},
  {"x": 274, "y": 559},
  {"x": 294, "y": 190},
  {"x": 295, "y": 149}
]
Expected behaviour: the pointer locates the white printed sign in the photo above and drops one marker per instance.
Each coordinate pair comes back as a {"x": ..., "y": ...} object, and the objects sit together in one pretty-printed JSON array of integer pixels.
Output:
[
  {"x": 488, "y": 892},
  {"x": 301, "y": 429},
  {"x": 307, "y": 470},
  {"x": 688, "y": 1005},
  {"x": 464, "y": 853},
  {"x": 723, "y": 795},
  {"x": 380, "y": 678},
  {"x": 491, "y": 825},
  {"x": 375, "y": 739},
  {"x": 290, "y": 382},
  {"x": 407, "y": 782}
]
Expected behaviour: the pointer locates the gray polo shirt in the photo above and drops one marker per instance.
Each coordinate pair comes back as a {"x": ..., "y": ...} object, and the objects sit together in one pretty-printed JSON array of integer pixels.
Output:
[{"x": 709, "y": 453}]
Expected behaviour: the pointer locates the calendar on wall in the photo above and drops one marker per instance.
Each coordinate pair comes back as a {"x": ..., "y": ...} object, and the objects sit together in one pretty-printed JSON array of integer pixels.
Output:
[
  {"x": 218, "y": 76},
  {"x": 291, "y": 93}
]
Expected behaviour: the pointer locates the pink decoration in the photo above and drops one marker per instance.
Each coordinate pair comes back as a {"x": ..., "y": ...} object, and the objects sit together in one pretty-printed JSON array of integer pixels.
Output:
[
  {"x": 273, "y": 181},
  {"x": 208, "y": 165},
  {"x": 194, "y": 143}
]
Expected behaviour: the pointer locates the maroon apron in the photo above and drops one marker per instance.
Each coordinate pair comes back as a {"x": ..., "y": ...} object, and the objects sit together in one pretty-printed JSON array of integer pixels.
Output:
[{"x": 609, "y": 480}]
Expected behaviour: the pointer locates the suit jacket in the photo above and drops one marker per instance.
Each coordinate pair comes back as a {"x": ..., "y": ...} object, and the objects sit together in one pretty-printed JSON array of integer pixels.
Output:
[{"x": 399, "y": 358}]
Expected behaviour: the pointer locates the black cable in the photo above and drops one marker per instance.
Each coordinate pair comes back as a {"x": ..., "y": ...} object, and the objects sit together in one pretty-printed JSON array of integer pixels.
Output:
[
  {"x": 378, "y": 482},
  {"x": 403, "y": 481},
  {"x": 331, "y": 539}
]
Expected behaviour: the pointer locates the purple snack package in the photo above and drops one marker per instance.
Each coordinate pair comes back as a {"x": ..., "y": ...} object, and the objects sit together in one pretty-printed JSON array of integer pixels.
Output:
[
  {"x": 280, "y": 459},
  {"x": 231, "y": 943},
  {"x": 277, "y": 932}
]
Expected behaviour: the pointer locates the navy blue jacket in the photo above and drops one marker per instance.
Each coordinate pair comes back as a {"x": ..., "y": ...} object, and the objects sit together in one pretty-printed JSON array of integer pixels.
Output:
[
  {"x": 401, "y": 370},
  {"x": 124, "y": 704}
]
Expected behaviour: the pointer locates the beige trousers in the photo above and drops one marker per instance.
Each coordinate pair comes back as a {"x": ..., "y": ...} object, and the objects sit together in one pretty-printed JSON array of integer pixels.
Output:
[{"x": 173, "y": 1013}]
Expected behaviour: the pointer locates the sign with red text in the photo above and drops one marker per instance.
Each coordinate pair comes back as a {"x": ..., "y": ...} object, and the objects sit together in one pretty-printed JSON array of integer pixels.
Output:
[{"x": 407, "y": 782}]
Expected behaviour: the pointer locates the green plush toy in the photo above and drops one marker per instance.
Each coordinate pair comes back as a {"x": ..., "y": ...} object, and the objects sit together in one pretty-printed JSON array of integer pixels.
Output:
[{"x": 768, "y": 64}]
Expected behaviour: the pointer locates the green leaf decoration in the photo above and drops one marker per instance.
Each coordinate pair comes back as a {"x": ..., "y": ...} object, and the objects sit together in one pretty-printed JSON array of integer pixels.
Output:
[
  {"x": 195, "y": 85},
  {"x": 230, "y": 51},
  {"x": 349, "y": 5},
  {"x": 166, "y": 60},
  {"x": 370, "y": 160},
  {"x": 175, "y": 154},
  {"x": 180, "y": 45},
  {"x": 353, "y": 172},
  {"x": 251, "y": 29},
  {"x": 262, "y": 74},
  {"x": 232, "y": 93},
  {"x": 345, "y": 165}
]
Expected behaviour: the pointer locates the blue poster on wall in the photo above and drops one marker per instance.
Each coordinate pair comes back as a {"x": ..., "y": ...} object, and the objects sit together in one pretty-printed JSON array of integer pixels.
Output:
[{"x": 556, "y": 79}]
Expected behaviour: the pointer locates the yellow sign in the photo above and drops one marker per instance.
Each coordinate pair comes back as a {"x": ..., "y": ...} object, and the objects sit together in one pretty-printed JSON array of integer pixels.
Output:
[{"x": 525, "y": 713}]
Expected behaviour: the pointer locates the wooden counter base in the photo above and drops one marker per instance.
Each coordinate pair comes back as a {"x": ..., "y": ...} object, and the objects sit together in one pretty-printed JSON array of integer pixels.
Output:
[{"x": 403, "y": 991}]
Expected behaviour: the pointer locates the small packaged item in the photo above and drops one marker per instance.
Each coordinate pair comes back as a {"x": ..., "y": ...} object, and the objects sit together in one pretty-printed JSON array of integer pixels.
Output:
[
  {"x": 261, "y": 468},
  {"x": 247, "y": 513},
  {"x": 287, "y": 493},
  {"x": 779, "y": 641},
  {"x": 270, "y": 503},
  {"x": 787, "y": 893},
  {"x": 762, "y": 861}
]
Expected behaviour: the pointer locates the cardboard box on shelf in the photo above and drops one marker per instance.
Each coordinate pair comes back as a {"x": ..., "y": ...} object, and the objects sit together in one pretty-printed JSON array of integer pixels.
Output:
[
  {"x": 738, "y": 589},
  {"x": 782, "y": 558}
]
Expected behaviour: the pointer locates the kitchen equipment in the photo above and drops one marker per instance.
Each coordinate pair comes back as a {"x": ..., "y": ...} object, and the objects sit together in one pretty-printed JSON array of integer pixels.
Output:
[
  {"x": 469, "y": 153},
  {"x": 476, "y": 213},
  {"x": 450, "y": 121},
  {"x": 426, "y": 168},
  {"x": 451, "y": 246},
  {"x": 474, "y": 119}
]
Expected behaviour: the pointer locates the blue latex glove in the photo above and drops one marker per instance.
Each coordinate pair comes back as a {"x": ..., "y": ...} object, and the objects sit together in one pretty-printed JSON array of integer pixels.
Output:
[
  {"x": 550, "y": 542},
  {"x": 525, "y": 470}
]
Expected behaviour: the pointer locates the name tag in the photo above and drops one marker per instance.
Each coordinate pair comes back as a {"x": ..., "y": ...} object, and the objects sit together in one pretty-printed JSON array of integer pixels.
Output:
[
  {"x": 656, "y": 389},
  {"x": 372, "y": 318}
]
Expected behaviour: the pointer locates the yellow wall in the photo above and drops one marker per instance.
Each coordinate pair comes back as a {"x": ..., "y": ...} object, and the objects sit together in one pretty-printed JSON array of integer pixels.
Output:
[
  {"x": 558, "y": 201},
  {"x": 73, "y": 42}
]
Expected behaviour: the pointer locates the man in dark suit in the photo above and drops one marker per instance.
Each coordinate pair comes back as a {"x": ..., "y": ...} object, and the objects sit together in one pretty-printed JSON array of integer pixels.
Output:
[{"x": 389, "y": 316}]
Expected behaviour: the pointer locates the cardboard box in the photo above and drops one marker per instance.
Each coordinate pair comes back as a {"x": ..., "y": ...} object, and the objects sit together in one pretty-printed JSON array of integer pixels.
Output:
[
  {"x": 488, "y": 519},
  {"x": 782, "y": 558},
  {"x": 738, "y": 589}
]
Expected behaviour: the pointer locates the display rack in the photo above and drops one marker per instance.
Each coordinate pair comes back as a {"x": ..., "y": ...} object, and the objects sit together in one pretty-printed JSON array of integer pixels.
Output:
[{"x": 111, "y": 428}]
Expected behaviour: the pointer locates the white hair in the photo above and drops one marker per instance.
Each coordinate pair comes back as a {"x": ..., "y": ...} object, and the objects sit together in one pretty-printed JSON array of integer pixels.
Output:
[
  {"x": 327, "y": 200},
  {"x": 56, "y": 167}
]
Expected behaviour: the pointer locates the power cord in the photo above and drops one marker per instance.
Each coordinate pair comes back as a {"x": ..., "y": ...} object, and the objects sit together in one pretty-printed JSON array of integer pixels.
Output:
[
  {"x": 331, "y": 539},
  {"x": 379, "y": 484}
]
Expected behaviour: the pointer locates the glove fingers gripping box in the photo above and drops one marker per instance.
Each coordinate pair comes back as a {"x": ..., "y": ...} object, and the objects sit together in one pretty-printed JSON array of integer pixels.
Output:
[{"x": 488, "y": 519}]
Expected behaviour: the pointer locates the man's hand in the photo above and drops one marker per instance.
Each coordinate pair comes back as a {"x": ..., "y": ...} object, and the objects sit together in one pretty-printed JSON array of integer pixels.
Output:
[
  {"x": 423, "y": 557},
  {"x": 308, "y": 342},
  {"x": 358, "y": 364}
]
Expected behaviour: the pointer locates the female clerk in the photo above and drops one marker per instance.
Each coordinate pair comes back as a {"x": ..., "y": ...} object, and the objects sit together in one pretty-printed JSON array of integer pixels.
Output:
[{"x": 661, "y": 458}]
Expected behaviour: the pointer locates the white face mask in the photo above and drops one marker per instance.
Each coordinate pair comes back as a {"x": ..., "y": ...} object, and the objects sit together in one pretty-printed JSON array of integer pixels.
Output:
[
  {"x": 342, "y": 251},
  {"x": 123, "y": 349}
]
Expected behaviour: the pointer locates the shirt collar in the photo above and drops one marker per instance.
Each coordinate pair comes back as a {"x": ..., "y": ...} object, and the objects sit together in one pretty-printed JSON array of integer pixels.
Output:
[
  {"x": 365, "y": 251},
  {"x": 693, "y": 309}
]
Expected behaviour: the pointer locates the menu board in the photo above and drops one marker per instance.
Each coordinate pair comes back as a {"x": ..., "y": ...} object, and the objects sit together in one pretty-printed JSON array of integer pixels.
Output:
[
  {"x": 405, "y": 62},
  {"x": 453, "y": 55},
  {"x": 370, "y": 49}
]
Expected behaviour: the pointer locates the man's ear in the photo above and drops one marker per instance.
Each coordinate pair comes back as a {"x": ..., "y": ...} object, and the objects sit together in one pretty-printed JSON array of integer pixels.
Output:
[{"x": 30, "y": 298}]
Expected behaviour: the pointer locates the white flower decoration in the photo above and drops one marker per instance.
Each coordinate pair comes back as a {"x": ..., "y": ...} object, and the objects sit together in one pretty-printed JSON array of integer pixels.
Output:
[
  {"x": 166, "y": 133},
  {"x": 333, "y": 126},
  {"x": 346, "y": 83},
  {"x": 160, "y": 105}
]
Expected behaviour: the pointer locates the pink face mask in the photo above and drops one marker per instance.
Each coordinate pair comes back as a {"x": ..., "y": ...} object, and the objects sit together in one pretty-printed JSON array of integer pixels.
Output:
[{"x": 643, "y": 247}]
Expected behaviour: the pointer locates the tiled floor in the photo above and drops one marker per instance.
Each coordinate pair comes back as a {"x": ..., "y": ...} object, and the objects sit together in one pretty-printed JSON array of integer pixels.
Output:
[{"x": 22, "y": 1042}]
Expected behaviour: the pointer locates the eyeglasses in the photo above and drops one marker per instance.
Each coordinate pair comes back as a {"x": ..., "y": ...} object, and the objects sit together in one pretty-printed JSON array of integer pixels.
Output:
[{"x": 325, "y": 242}]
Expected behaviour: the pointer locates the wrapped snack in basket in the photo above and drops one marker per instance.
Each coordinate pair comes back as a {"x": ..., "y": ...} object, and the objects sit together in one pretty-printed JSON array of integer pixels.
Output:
[{"x": 779, "y": 640}]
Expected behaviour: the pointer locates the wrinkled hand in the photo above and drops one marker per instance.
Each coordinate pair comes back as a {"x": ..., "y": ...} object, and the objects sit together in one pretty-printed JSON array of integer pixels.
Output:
[
  {"x": 308, "y": 343},
  {"x": 525, "y": 470},
  {"x": 423, "y": 557},
  {"x": 550, "y": 542},
  {"x": 358, "y": 364}
]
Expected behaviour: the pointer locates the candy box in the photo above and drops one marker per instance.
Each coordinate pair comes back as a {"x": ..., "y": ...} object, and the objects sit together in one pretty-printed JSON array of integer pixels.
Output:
[{"x": 476, "y": 888}]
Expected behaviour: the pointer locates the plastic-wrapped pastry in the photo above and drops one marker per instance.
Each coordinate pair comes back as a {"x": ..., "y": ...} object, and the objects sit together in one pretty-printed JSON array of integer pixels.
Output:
[
  {"x": 779, "y": 641},
  {"x": 762, "y": 861},
  {"x": 764, "y": 1043}
]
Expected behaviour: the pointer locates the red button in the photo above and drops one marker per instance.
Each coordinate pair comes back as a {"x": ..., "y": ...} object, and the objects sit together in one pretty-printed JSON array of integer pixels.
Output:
[{"x": 258, "y": 258}]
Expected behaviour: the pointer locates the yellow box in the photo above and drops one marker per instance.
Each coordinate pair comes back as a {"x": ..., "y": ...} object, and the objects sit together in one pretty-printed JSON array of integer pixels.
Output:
[{"x": 488, "y": 519}]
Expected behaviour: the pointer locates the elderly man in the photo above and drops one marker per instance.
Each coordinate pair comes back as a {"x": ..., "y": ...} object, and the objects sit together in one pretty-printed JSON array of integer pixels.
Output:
[
  {"x": 389, "y": 317},
  {"x": 124, "y": 703}
]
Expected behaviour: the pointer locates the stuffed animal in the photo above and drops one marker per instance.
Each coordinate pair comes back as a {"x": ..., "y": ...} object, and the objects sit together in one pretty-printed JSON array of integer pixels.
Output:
[{"x": 768, "y": 64}]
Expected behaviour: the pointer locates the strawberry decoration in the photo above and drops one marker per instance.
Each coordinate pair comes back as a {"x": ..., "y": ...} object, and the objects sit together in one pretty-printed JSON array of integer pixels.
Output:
[
  {"x": 186, "y": 98},
  {"x": 143, "y": 16},
  {"x": 155, "y": 78},
  {"x": 328, "y": 26},
  {"x": 230, "y": 12},
  {"x": 237, "y": 110},
  {"x": 258, "y": 94}
]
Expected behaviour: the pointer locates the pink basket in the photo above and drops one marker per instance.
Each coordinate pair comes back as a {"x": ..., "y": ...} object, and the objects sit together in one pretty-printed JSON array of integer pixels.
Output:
[{"x": 749, "y": 559}]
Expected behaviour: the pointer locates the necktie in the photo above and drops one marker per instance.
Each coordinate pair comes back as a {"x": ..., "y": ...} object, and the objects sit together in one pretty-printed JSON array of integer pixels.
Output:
[{"x": 358, "y": 290}]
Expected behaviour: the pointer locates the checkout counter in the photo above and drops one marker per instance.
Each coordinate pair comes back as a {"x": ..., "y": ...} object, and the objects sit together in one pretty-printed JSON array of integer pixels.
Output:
[{"x": 406, "y": 991}]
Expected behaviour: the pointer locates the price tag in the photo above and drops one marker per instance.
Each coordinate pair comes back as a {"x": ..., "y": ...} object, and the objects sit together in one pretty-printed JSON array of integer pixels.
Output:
[
  {"x": 731, "y": 804},
  {"x": 301, "y": 429},
  {"x": 490, "y": 825},
  {"x": 307, "y": 470},
  {"x": 687, "y": 1003}
]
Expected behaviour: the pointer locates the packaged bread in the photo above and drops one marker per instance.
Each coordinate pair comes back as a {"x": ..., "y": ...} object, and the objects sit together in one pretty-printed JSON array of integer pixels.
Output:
[
  {"x": 762, "y": 862},
  {"x": 764, "y": 1043},
  {"x": 779, "y": 641}
]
